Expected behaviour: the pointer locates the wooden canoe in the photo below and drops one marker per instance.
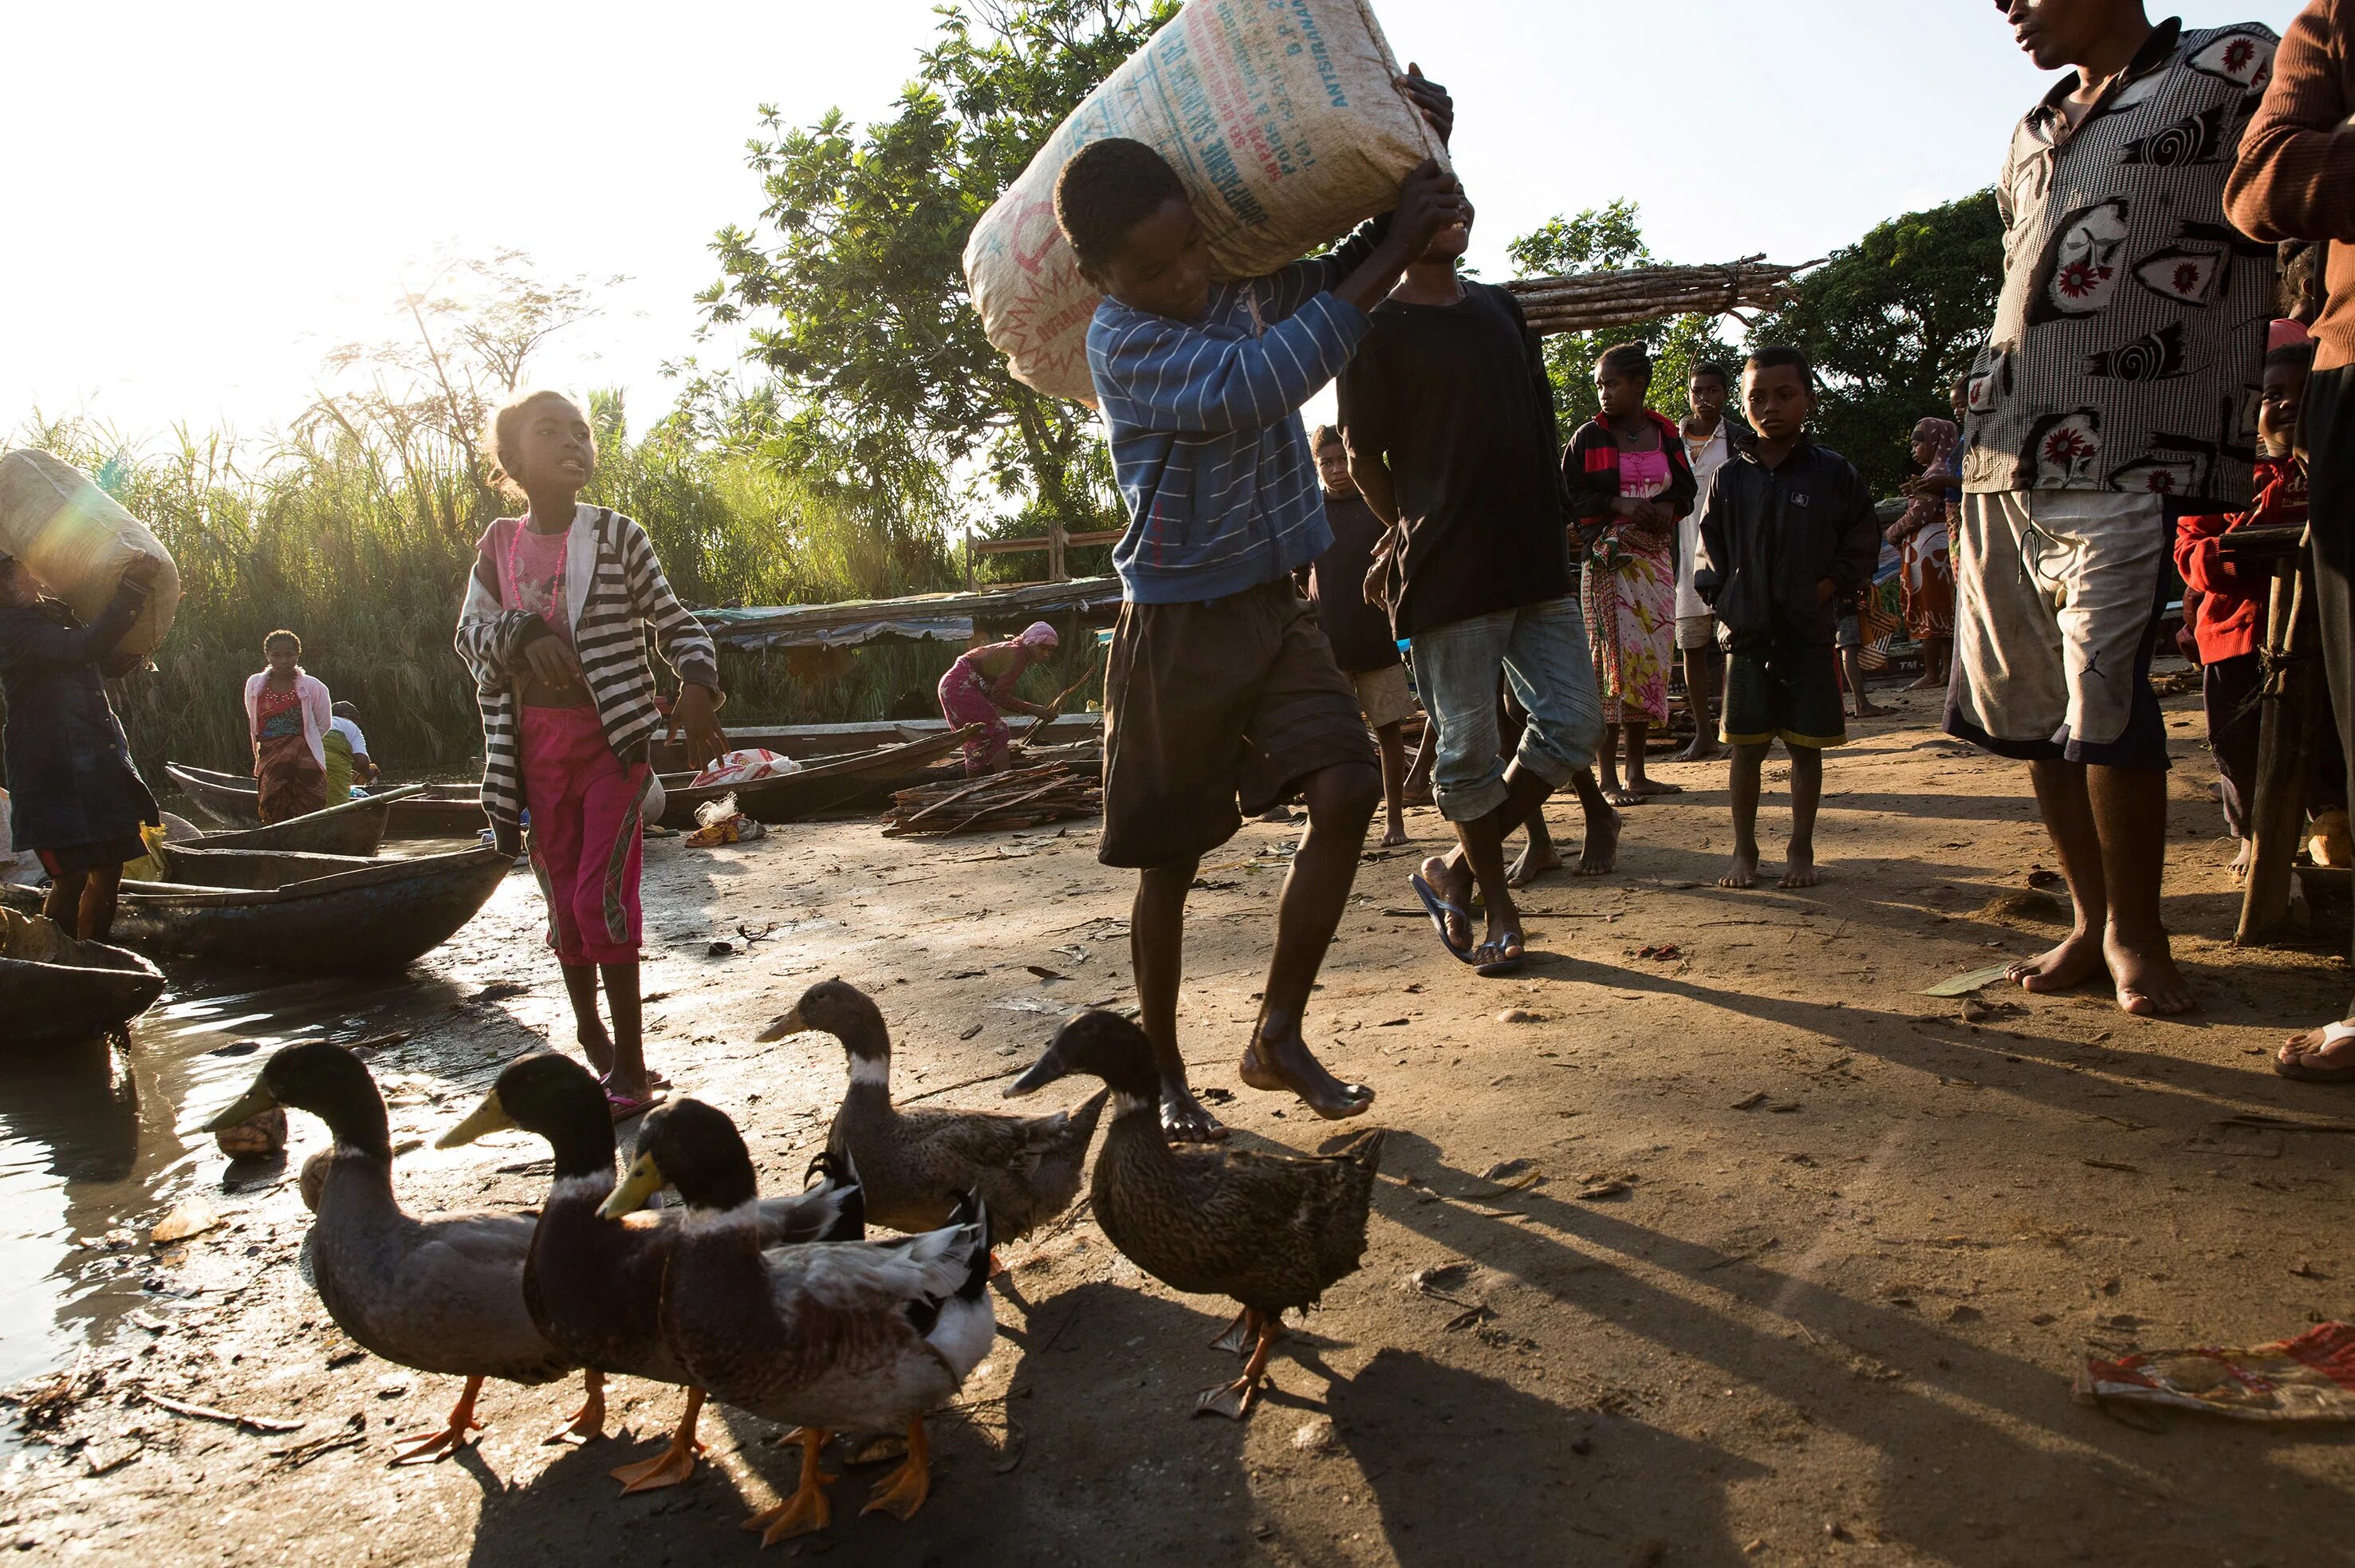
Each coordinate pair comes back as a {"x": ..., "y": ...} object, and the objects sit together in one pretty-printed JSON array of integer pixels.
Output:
[
  {"x": 319, "y": 913},
  {"x": 55, "y": 988},
  {"x": 436, "y": 811},
  {"x": 810, "y": 742},
  {"x": 355, "y": 828},
  {"x": 822, "y": 785}
]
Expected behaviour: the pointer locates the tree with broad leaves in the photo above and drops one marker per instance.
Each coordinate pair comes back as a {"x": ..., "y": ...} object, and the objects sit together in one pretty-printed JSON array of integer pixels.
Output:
[
  {"x": 852, "y": 287},
  {"x": 1892, "y": 322}
]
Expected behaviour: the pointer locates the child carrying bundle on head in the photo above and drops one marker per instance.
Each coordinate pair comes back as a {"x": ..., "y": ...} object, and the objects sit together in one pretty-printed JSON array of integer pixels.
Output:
[
  {"x": 75, "y": 798},
  {"x": 554, "y": 627},
  {"x": 980, "y": 686}
]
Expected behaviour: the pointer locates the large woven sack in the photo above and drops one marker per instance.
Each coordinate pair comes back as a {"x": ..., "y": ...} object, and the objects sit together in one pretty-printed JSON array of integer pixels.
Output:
[
  {"x": 1282, "y": 117},
  {"x": 77, "y": 540}
]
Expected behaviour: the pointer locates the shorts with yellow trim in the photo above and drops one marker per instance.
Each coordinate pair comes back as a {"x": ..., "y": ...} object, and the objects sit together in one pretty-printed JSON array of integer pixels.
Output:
[{"x": 1786, "y": 691}]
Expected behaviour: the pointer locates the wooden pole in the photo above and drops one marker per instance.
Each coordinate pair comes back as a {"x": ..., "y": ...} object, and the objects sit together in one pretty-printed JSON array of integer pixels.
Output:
[
  {"x": 2292, "y": 709},
  {"x": 1056, "y": 573}
]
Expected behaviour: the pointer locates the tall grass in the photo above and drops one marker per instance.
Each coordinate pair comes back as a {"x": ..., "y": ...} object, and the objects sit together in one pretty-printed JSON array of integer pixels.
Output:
[{"x": 362, "y": 550}]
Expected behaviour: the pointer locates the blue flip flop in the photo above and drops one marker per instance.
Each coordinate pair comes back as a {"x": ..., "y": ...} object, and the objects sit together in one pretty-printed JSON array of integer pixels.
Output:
[
  {"x": 1439, "y": 909},
  {"x": 1499, "y": 967}
]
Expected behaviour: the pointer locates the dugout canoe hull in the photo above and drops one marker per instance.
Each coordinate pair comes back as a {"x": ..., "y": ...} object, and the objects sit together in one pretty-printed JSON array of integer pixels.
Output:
[
  {"x": 311, "y": 913},
  {"x": 356, "y": 828},
  {"x": 825, "y": 784},
  {"x": 79, "y": 991},
  {"x": 435, "y": 811}
]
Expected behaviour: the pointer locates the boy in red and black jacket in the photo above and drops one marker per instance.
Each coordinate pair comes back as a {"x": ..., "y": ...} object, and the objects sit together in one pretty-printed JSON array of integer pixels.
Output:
[{"x": 2225, "y": 604}]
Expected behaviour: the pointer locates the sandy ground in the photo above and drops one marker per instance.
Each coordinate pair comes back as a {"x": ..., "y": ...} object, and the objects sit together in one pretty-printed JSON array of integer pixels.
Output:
[{"x": 1838, "y": 1324}]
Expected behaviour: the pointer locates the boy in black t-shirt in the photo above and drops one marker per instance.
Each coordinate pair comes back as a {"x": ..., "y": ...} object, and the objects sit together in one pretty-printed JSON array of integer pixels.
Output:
[{"x": 1449, "y": 418}]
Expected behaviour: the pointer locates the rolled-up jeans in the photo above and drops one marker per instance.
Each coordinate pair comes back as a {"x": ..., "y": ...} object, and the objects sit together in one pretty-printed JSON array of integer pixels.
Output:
[{"x": 1541, "y": 650}]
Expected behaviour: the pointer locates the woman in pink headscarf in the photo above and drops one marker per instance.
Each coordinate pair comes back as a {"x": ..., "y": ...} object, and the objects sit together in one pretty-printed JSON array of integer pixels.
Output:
[
  {"x": 1922, "y": 535},
  {"x": 979, "y": 686}
]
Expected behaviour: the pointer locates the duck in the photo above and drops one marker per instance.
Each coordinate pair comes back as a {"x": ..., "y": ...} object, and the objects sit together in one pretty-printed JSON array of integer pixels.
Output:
[
  {"x": 1270, "y": 1231},
  {"x": 865, "y": 1335},
  {"x": 912, "y": 1164},
  {"x": 594, "y": 1286},
  {"x": 435, "y": 1293}
]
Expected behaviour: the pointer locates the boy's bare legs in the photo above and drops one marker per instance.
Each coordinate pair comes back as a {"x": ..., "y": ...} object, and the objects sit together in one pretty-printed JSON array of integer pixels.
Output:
[
  {"x": 62, "y": 904},
  {"x": 1600, "y": 854},
  {"x": 1807, "y": 794},
  {"x": 1157, "y": 951},
  {"x": 1483, "y": 841},
  {"x": 2109, "y": 828},
  {"x": 1341, "y": 801},
  {"x": 1392, "y": 738},
  {"x": 1749, "y": 764},
  {"x": 1936, "y": 653},
  {"x": 1852, "y": 666},
  {"x": 628, "y": 1078},
  {"x": 97, "y": 898},
  {"x": 1539, "y": 855}
]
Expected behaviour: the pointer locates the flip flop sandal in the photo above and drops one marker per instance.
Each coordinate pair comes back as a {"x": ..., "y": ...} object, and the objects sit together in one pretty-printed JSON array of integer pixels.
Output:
[
  {"x": 2296, "y": 1067},
  {"x": 1509, "y": 964},
  {"x": 624, "y": 1107},
  {"x": 1439, "y": 909}
]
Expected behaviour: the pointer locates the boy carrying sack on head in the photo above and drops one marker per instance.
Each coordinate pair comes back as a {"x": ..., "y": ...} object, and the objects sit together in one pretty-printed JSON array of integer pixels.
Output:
[
  {"x": 1789, "y": 537},
  {"x": 1219, "y": 683}
]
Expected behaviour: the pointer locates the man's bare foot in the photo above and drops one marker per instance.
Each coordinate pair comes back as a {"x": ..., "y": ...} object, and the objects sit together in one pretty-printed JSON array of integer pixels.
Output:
[
  {"x": 2240, "y": 862},
  {"x": 1600, "y": 854},
  {"x": 1927, "y": 683},
  {"x": 1743, "y": 872},
  {"x": 1530, "y": 865},
  {"x": 1395, "y": 838},
  {"x": 1653, "y": 786},
  {"x": 2149, "y": 985},
  {"x": 2077, "y": 959},
  {"x": 1183, "y": 1119},
  {"x": 1700, "y": 749},
  {"x": 1452, "y": 881},
  {"x": 1799, "y": 868},
  {"x": 1287, "y": 1065},
  {"x": 1871, "y": 709}
]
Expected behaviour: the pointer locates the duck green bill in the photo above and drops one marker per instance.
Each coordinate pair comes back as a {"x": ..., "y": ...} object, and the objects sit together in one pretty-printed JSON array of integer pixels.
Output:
[
  {"x": 255, "y": 1100},
  {"x": 790, "y": 1024},
  {"x": 645, "y": 1179},
  {"x": 488, "y": 1117},
  {"x": 1049, "y": 1067}
]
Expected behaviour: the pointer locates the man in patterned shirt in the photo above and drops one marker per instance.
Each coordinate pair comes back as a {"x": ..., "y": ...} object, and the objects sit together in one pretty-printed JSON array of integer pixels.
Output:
[{"x": 2120, "y": 384}]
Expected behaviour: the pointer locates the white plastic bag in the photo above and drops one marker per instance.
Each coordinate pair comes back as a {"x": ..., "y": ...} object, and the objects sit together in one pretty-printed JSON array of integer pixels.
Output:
[
  {"x": 1282, "y": 117},
  {"x": 746, "y": 766}
]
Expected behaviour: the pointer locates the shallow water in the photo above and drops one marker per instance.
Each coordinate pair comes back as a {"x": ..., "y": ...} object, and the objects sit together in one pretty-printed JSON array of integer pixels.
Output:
[{"x": 99, "y": 1140}]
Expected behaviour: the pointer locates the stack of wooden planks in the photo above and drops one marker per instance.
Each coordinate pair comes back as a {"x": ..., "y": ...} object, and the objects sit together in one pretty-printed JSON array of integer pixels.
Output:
[
  {"x": 1024, "y": 797},
  {"x": 1590, "y": 302}
]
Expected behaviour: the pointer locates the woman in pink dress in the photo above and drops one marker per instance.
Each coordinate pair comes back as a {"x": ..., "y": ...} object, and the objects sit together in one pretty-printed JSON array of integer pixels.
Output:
[
  {"x": 980, "y": 685},
  {"x": 1629, "y": 483}
]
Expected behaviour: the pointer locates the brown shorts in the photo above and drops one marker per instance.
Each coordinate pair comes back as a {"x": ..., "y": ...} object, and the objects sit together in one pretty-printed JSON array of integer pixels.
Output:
[{"x": 1205, "y": 703}]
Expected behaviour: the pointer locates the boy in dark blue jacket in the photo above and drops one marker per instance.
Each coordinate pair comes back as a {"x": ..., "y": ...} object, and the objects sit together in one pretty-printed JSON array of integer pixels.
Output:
[
  {"x": 1789, "y": 537},
  {"x": 1219, "y": 683}
]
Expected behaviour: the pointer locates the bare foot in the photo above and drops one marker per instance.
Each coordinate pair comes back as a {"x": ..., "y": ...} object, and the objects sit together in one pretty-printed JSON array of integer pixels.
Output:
[
  {"x": 1653, "y": 786},
  {"x": 2076, "y": 960},
  {"x": 1700, "y": 749},
  {"x": 1600, "y": 854},
  {"x": 1927, "y": 683},
  {"x": 1871, "y": 711},
  {"x": 1395, "y": 838},
  {"x": 1618, "y": 796},
  {"x": 2149, "y": 985},
  {"x": 1183, "y": 1119},
  {"x": 1453, "y": 882},
  {"x": 1743, "y": 873},
  {"x": 2240, "y": 862},
  {"x": 1287, "y": 1065},
  {"x": 1799, "y": 868},
  {"x": 1530, "y": 865},
  {"x": 2314, "y": 1055}
]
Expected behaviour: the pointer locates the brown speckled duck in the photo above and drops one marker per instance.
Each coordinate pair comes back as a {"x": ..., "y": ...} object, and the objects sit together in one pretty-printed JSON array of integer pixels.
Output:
[
  {"x": 1271, "y": 1232},
  {"x": 440, "y": 1293},
  {"x": 594, "y": 1286},
  {"x": 863, "y": 1335},
  {"x": 914, "y": 1165}
]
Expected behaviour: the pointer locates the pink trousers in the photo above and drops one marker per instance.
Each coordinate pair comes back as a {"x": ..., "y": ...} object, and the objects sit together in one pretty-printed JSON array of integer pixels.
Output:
[
  {"x": 965, "y": 700},
  {"x": 585, "y": 808}
]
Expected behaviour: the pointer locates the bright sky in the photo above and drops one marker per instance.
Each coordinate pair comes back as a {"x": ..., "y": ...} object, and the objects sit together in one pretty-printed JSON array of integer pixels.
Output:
[{"x": 204, "y": 200}]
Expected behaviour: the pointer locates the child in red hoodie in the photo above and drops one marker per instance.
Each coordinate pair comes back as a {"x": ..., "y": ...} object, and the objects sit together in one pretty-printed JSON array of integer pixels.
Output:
[{"x": 2226, "y": 602}]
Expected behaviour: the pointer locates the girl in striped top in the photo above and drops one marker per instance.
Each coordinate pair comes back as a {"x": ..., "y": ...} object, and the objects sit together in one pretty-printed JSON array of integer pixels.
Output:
[{"x": 554, "y": 629}]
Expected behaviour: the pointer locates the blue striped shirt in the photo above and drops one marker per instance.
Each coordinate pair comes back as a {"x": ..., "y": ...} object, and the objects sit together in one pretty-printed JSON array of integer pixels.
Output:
[{"x": 1204, "y": 422}]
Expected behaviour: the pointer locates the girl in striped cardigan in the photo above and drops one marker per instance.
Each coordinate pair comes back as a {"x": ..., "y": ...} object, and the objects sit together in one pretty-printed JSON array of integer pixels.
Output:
[{"x": 554, "y": 629}]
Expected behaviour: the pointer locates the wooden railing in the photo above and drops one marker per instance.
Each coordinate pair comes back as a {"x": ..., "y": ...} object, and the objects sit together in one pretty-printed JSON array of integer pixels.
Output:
[{"x": 1054, "y": 544}]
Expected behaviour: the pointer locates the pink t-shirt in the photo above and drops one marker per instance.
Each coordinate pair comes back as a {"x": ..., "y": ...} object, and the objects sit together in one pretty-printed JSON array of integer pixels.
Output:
[
  {"x": 1643, "y": 474},
  {"x": 531, "y": 572}
]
